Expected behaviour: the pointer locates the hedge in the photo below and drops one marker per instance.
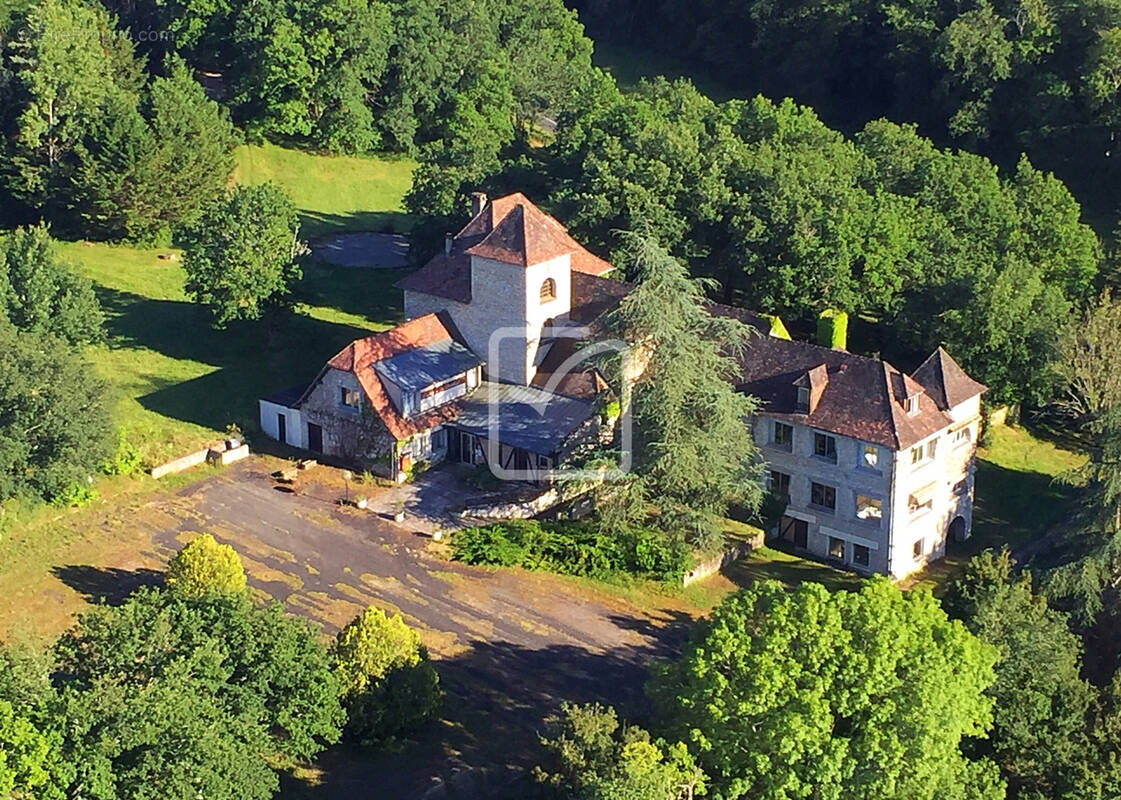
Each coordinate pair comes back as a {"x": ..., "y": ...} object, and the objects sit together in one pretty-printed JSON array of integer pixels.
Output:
[{"x": 573, "y": 548}]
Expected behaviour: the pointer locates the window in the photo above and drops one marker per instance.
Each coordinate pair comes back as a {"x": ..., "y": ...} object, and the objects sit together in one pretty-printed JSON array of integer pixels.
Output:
[
  {"x": 823, "y": 496},
  {"x": 542, "y": 462},
  {"x": 803, "y": 399},
  {"x": 836, "y": 548},
  {"x": 825, "y": 447},
  {"x": 963, "y": 435},
  {"x": 869, "y": 509},
  {"x": 779, "y": 482},
  {"x": 916, "y": 454},
  {"x": 440, "y": 439},
  {"x": 870, "y": 456},
  {"x": 548, "y": 290},
  {"x": 796, "y": 531},
  {"x": 917, "y": 550},
  {"x": 920, "y": 502},
  {"x": 931, "y": 448},
  {"x": 782, "y": 436},
  {"x": 860, "y": 555},
  {"x": 962, "y": 486},
  {"x": 913, "y": 405},
  {"x": 348, "y": 397}
]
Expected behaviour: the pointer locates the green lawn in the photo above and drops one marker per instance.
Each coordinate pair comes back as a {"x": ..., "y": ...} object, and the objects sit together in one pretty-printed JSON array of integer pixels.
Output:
[
  {"x": 333, "y": 193},
  {"x": 767, "y": 563},
  {"x": 178, "y": 381}
]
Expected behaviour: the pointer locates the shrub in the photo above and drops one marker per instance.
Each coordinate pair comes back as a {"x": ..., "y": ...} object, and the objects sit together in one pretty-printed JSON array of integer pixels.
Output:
[
  {"x": 387, "y": 683},
  {"x": 573, "y": 548},
  {"x": 75, "y": 495},
  {"x": 125, "y": 459},
  {"x": 205, "y": 567},
  {"x": 833, "y": 329}
]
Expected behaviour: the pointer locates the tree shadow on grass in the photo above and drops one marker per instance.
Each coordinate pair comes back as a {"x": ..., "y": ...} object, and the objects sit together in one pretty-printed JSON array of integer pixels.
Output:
[
  {"x": 251, "y": 359},
  {"x": 364, "y": 292},
  {"x": 318, "y": 223},
  {"x": 498, "y": 696},
  {"x": 106, "y": 583}
]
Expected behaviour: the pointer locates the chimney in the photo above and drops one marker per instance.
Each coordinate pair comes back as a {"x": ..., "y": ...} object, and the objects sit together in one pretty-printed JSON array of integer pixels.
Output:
[
  {"x": 478, "y": 203},
  {"x": 447, "y": 243}
]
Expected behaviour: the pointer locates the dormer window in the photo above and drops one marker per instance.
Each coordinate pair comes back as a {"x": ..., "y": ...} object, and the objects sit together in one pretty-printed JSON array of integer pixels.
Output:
[
  {"x": 912, "y": 405},
  {"x": 803, "y": 399},
  {"x": 548, "y": 290}
]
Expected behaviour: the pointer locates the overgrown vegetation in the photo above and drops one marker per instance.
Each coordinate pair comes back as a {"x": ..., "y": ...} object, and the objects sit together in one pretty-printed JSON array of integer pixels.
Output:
[{"x": 574, "y": 548}]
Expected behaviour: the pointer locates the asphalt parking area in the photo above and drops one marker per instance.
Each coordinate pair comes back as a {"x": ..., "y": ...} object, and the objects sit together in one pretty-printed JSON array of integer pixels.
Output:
[{"x": 509, "y": 645}]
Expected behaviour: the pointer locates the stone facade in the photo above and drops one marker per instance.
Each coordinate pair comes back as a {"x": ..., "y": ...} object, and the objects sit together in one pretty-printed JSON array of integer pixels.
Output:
[
  {"x": 505, "y": 296},
  {"x": 349, "y": 433},
  {"x": 892, "y": 511}
]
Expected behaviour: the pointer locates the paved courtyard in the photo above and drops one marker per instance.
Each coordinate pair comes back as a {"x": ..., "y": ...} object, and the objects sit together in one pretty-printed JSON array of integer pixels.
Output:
[{"x": 508, "y": 645}]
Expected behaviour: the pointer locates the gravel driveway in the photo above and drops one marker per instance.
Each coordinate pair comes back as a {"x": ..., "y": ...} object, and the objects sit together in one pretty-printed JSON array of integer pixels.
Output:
[{"x": 509, "y": 645}]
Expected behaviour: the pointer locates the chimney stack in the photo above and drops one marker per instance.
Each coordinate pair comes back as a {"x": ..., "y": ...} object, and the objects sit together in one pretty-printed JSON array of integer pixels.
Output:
[
  {"x": 478, "y": 203},
  {"x": 448, "y": 243}
]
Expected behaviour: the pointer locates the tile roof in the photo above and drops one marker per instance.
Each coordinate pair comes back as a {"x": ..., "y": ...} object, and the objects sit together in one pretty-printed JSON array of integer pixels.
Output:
[
  {"x": 947, "y": 382},
  {"x": 592, "y": 296},
  {"x": 359, "y": 356},
  {"x": 509, "y": 229},
  {"x": 863, "y": 397}
]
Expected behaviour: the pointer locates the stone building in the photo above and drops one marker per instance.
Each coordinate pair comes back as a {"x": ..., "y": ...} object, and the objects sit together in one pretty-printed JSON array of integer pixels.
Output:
[
  {"x": 470, "y": 376},
  {"x": 877, "y": 464}
]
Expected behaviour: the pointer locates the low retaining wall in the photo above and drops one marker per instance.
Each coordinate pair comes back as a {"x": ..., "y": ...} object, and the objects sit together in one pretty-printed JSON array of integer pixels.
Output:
[
  {"x": 527, "y": 507},
  {"x": 224, "y": 453},
  {"x": 717, "y": 563},
  {"x": 181, "y": 464}
]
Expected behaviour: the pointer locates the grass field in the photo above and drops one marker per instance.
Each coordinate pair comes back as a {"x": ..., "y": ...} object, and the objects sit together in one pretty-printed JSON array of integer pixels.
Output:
[
  {"x": 333, "y": 193},
  {"x": 176, "y": 380}
]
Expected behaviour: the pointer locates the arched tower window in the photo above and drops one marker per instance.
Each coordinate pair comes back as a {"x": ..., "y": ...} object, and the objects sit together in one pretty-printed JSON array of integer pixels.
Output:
[{"x": 548, "y": 290}]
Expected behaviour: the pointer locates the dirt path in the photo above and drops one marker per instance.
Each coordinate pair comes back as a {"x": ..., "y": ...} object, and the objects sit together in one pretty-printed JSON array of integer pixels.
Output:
[{"x": 509, "y": 645}]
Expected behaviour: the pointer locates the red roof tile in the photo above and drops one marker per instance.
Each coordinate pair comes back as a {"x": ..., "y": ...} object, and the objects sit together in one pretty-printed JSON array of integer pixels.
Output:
[
  {"x": 358, "y": 357},
  {"x": 862, "y": 398},
  {"x": 509, "y": 229}
]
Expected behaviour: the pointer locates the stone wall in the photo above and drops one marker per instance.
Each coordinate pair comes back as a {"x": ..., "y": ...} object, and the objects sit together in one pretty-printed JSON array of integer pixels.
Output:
[{"x": 717, "y": 563}]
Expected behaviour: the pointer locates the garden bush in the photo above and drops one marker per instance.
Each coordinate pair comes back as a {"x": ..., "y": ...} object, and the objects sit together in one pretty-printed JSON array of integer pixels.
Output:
[{"x": 573, "y": 548}]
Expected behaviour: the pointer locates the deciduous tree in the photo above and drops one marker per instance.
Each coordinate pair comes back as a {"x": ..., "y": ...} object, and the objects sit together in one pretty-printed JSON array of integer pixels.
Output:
[
  {"x": 205, "y": 567},
  {"x": 241, "y": 255},
  {"x": 55, "y": 424},
  {"x": 591, "y": 756},
  {"x": 806, "y": 693},
  {"x": 388, "y": 684},
  {"x": 40, "y": 294}
]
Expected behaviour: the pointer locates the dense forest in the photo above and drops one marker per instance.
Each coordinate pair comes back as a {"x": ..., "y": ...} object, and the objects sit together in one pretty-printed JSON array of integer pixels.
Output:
[{"x": 999, "y": 78}]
